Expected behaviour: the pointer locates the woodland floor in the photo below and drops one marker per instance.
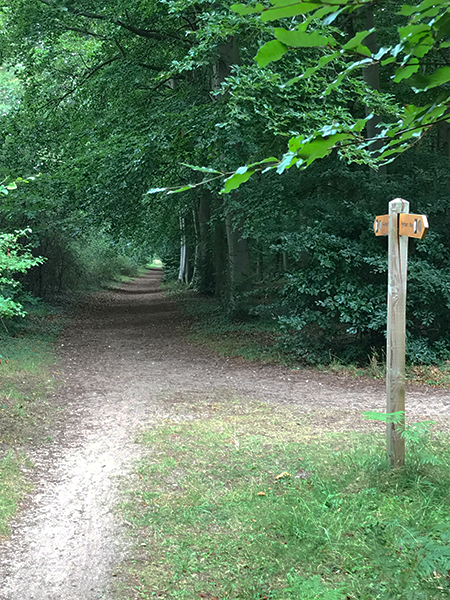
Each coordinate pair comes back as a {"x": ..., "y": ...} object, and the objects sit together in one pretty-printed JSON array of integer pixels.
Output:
[{"x": 124, "y": 362}]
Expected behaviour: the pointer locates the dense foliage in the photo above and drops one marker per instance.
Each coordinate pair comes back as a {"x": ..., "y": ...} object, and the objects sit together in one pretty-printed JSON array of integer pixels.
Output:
[
  {"x": 109, "y": 101},
  {"x": 15, "y": 257}
]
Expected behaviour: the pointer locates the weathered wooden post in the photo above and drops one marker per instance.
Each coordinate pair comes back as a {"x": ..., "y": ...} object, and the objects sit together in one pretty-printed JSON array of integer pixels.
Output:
[
  {"x": 399, "y": 225},
  {"x": 396, "y": 331}
]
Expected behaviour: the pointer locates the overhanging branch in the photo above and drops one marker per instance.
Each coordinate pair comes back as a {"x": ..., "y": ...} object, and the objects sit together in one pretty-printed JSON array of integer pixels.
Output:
[
  {"x": 85, "y": 32},
  {"x": 86, "y": 78},
  {"x": 145, "y": 33}
]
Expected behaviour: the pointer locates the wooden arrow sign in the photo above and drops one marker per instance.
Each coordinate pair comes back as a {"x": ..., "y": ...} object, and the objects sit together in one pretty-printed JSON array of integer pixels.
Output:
[
  {"x": 381, "y": 225},
  {"x": 415, "y": 226}
]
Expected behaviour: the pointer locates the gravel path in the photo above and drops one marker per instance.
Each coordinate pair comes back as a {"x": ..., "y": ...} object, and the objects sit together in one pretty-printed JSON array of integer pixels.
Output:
[{"x": 125, "y": 353}]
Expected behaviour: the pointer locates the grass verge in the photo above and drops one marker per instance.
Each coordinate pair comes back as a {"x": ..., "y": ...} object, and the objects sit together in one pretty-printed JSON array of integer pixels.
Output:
[
  {"x": 13, "y": 487},
  {"x": 246, "y": 501},
  {"x": 26, "y": 416}
]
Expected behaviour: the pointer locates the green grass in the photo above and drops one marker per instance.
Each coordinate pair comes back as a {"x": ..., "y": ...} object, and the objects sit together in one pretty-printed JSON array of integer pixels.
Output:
[
  {"x": 239, "y": 501},
  {"x": 26, "y": 416},
  {"x": 13, "y": 487},
  {"x": 155, "y": 264},
  {"x": 140, "y": 271},
  {"x": 27, "y": 356}
]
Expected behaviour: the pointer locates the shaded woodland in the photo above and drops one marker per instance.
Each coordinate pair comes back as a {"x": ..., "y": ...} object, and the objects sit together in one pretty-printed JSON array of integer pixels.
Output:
[{"x": 103, "y": 101}]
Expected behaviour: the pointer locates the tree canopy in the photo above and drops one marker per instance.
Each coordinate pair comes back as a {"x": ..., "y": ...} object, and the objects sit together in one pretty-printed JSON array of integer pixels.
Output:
[
  {"x": 106, "y": 101},
  {"x": 414, "y": 57}
]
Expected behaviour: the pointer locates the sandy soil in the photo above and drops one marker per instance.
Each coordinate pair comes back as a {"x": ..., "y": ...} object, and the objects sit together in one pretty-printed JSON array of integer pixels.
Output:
[{"x": 125, "y": 353}]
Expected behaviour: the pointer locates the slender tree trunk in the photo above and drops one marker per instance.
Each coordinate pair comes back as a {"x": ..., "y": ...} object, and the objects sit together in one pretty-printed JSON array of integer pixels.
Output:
[
  {"x": 443, "y": 141},
  {"x": 186, "y": 270},
  {"x": 195, "y": 272},
  {"x": 183, "y": 251},
  {"x": 228, "y": 56}
]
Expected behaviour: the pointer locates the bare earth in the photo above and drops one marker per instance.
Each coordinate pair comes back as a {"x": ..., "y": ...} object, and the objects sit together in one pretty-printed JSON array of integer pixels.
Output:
[{"x": 124, "y": 352}]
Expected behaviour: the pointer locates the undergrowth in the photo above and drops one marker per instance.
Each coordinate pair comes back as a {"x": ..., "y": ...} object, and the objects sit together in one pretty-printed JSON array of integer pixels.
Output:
[
  {"x": 243, "y": 336},
  {"x": 239, "y": 501},
  {"x": 260, "y": 339}
]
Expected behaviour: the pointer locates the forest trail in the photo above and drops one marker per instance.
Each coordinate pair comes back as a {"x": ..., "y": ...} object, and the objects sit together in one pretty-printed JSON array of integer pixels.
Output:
[{"x": 123, "y": 360}]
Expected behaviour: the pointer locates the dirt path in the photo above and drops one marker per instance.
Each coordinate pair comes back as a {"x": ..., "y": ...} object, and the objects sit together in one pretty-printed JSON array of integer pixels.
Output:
[{"x": 123, "y": 362}]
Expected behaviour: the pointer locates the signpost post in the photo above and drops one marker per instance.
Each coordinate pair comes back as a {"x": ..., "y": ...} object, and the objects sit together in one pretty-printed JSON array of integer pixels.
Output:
[{"x": 399, "y": 225}]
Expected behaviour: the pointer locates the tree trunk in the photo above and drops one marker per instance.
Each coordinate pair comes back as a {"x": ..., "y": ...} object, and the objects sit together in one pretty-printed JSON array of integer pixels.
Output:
[
  {"x": 238, "y": 260},
  {"x": 204, "y": 268},
  {"x": 371, "y": 76},
  {"x": 195, "y": 272},
  {"x": 220, "y": 258},
  {"x": 237, "y": 246},
  {"x": 228, "y": 56},
  {"x": 183, "y": 252}
]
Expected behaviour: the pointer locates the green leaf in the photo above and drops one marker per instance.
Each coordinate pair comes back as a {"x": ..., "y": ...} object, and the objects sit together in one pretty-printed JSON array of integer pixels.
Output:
[
  {"x": 407, "y": 10},
  {"x": 360, "y": 123},
  {"x": 320, "y": 147},
  {"x": 242, "y": 175},
  {"x": 301, "y": 39},
  {"x": 270, "y": 52},
  {"x": 182, "y": 189},
  {"x": 270, "y": 159},
  {"x": 361, "y": 49},
  {"x": 12, "y": 186},
  {"x": 395, "y": 417},
  {"x": 423, "y": 83},
  {"x": 413, "y": 33},
  {"x": 356, "y": 41},
  {"x": 291, "y": 10},
  {"x": 288, "y": 160},
  {"x": 306, "y": 5},
  {"x": 242, "y": 9},
  {"x": 443, "y": 26},
  {"x": 405, "y": 72},
  {"x": 323, "y": 61},
  {"x": 334, "y": 15},
  {"x": 433, "y": 113},
  {"x": 296, "y": 142},
  {"x": 365, "y": 62}
]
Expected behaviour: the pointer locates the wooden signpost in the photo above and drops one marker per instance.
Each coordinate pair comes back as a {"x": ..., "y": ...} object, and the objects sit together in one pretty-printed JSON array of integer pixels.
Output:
[{"x": 399, "y": 225}]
